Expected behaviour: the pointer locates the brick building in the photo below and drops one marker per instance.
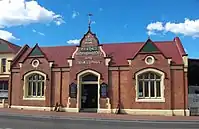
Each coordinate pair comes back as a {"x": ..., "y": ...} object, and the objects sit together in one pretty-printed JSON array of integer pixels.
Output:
[
  {"x": 140, "y": 78},
  {"x": 7, "y": 52}
]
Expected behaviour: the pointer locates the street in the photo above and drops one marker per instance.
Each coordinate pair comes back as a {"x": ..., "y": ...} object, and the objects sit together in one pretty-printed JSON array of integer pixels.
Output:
[{"x": 15, "y": 122}]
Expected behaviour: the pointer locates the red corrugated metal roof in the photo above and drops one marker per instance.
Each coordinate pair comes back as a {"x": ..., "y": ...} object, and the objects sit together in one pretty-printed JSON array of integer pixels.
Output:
[{"x": 119, "y": 52}]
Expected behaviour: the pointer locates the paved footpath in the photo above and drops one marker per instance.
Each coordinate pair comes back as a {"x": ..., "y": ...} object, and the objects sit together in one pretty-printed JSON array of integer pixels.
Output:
[{"x": 93, "y": 116}]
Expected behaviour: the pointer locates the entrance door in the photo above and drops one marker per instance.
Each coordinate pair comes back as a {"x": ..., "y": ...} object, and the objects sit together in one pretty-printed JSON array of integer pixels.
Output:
[{"x": 89, "y": 98}]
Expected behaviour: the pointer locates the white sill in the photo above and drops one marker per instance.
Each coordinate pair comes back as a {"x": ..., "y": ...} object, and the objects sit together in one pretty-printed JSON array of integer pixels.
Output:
[
  {"x": 150, "y": 100},
  {"x": 34, "y": 98}
]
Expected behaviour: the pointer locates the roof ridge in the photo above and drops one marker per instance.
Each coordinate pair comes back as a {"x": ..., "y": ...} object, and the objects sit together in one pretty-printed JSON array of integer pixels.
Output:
[
  {"x": 110, "y": 43},
  {"x": 14, "y": 48}
]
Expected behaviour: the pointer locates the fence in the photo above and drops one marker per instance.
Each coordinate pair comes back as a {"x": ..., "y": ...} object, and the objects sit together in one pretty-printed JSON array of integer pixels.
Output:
[{"x": 193, "y": 102}]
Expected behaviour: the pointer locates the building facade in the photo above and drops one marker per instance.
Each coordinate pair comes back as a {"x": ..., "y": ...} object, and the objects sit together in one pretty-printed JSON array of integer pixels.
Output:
[
  {"x": 7, "y": 53},
  {"x": 143, "y": 78}
]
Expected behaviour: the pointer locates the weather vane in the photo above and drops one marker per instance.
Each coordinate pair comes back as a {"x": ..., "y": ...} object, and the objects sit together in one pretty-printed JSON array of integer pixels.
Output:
[{"x": 89, "y": 20}]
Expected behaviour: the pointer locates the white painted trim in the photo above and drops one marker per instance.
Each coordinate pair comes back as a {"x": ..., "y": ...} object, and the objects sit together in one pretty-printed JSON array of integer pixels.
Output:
[
  {"x": 104, "y": 54},
  {"x": 185, "y": 61},
  {"x": 169, "y": 61},
  {"x": 36, "y": 98},
  {"x": 166, "y": 112},
  {"x": 148, "y": 63},
  {"x": 51, "y": 64},
  {"x": 20, "y": 65},
  {"x": 35, "y": 65},
  {"x": 25, "y": 86},
  {"x": 73, "y": 55},
  {"x": 70, "y": 62},
  {"x": 107, "y": 60},
  {"x": 32, "y": 108},
  {"x": 162, "y": 98},
  {"x": 70, "y": 109},
  {"x": 79, "y": 82},
  {"x": 129, "y": 62},
  {"x": 151, "y": 100}
]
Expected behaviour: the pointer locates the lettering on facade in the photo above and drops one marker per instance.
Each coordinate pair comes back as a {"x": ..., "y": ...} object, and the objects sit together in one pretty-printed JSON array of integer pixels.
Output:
[
  {"x": 87, "y": 62},
  {"x": 89, "y": 52}
]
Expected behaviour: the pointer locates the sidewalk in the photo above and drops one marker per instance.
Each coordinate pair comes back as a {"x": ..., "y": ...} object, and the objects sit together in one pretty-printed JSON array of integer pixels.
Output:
[{"x": 93, "y": 116}]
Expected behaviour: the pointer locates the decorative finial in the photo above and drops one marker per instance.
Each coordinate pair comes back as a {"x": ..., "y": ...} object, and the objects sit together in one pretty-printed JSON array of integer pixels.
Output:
[{"x": 89, "y": 20}]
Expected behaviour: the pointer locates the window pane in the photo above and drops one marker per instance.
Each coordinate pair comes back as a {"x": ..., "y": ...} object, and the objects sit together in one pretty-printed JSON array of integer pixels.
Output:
[
  {"x": 146, "y": 76},
  {"x": 29, "y": 89},
  {"x": 34, "y": 88},
  {"x": 140, "y": 85},
  {"x": 152, "y": 76},
  {"x": 140, "y": 77},
  {"x": 152, "y": 89},
  {"x": 158, "y": 90},
  {"x": 38, "y": 88},
  {"x": 5, "y": 85},
  {"x": 146, "y": 89},
  {"x": 3, "y": 68},
  {"x": 3, "y": 62},
  {"x": 42, "y": 89},
  {"x": 90, "y": 77},
  {"x": 157, "y": 77},
  {"x": 1, "y": 85}
]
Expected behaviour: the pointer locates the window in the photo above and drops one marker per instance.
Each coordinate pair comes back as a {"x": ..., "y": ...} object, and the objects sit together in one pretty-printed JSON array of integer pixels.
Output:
[
  {"x": 35, "y": 85},
  {"x": 3, "y": 89},
  {"x": 89, "y": 77},
  {"x": 150, "y": 85},
  {"x": 73, "y": 90},
  {"x": 104, "y": 90},
  {"x": 3, "y": 65}
]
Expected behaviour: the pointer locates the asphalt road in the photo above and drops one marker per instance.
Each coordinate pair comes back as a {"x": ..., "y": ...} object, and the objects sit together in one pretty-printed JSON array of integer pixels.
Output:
[{"x": 15, "y": 122}]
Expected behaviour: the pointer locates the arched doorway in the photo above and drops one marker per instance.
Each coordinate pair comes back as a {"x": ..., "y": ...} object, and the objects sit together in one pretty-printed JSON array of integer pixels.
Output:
[{"x": 88, "y": 91}]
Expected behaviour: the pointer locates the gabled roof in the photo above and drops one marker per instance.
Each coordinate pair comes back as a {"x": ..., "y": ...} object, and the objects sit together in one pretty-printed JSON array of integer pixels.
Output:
[
  {"x": 8, "y": 47},
  {"x": 119, "y": 52}
]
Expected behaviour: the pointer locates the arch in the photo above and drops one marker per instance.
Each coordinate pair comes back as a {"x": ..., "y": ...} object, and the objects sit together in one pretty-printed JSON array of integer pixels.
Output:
[
  {"x": 26, "y": 85},
  {"x": 79, "y": 85},
  {"x": 148, "y": 70},
  {"x": 35, "y": 71},
  {"x": 86, "y": 72},
  {"x": 140, "y": 83}
]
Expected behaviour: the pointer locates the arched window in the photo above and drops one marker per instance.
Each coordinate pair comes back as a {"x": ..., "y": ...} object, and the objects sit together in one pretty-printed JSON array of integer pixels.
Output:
[
  {"x": 35, "y": 85},
  {"x": 149, "y": 85}
]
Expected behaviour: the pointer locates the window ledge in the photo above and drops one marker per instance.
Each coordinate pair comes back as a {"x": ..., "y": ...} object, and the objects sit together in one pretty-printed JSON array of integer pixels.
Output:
[
  {"x": 33, "y": 98},
  {"x": 150, "y": 100}
]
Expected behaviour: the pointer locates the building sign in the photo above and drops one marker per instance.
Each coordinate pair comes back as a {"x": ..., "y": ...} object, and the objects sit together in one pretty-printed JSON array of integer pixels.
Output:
[
  {"x": 89, "y": 52},
  {"x": 89, "y": 49}
]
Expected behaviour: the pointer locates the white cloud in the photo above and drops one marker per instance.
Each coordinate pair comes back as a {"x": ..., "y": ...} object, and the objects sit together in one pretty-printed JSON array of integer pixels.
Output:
[
  {"x": 186, "y": 28},
  {"x": 21, "y": 12},
  {"x": 7, "y": 35},
  {"x": 40, "y": 33},
  {"x": 93, "y": 22},
  {"x": 75, "y": 14},
  {"x": 74, "y": 41}
]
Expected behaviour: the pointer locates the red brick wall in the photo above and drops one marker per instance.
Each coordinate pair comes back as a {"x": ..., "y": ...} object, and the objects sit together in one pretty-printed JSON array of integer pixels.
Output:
[
  {"x": 18, "y": 82},
  {"x": 178, "y": 89},
  {"x": 174, "y": 81}
]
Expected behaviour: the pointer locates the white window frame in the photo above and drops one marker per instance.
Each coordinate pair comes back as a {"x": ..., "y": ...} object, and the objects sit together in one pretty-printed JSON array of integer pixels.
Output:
[
  {"x": 26, "y": 84},
  {"x": 162, "y": 86}
]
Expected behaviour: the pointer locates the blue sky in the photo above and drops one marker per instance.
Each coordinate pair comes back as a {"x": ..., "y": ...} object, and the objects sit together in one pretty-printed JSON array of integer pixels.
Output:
[{"x": 64, "y": 22}]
